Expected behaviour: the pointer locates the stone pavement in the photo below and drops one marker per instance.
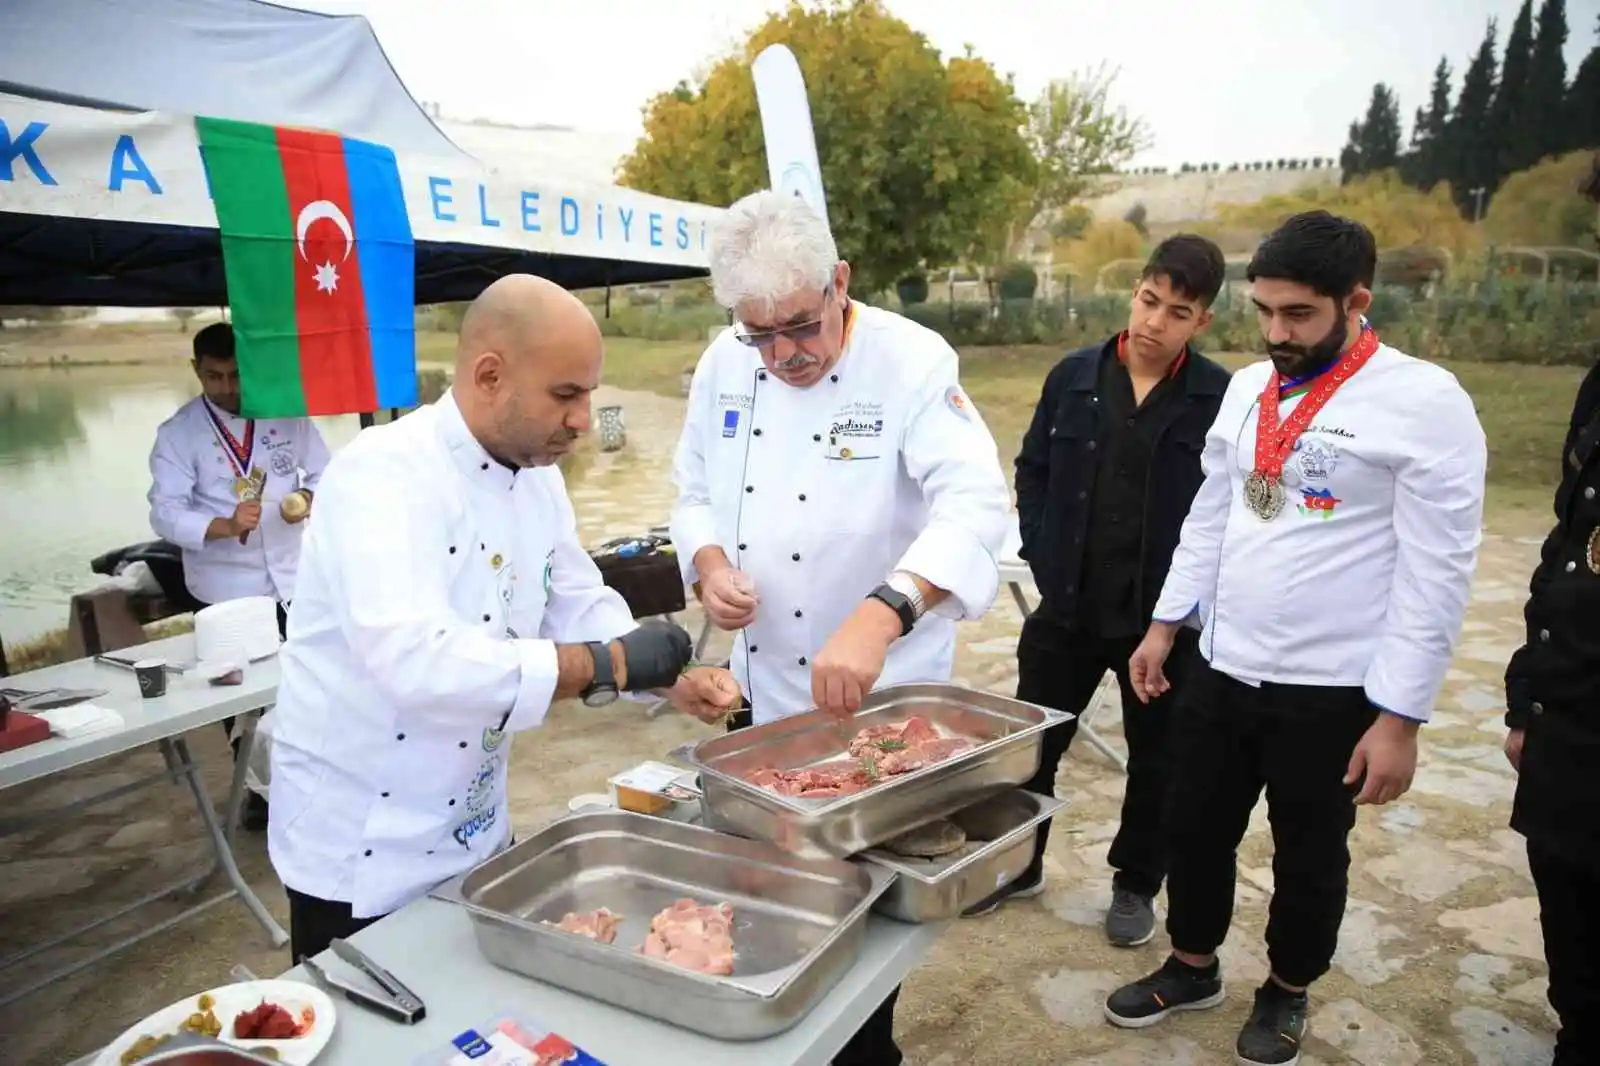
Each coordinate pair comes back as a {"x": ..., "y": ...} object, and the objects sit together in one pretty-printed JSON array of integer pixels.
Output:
[{"x": 1439, "y": 960}]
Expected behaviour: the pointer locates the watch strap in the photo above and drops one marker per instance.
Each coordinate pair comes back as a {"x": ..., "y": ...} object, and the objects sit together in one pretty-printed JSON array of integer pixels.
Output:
[
  {"x": 899, "y": 603},
  {"x": 605, "y": 678}
]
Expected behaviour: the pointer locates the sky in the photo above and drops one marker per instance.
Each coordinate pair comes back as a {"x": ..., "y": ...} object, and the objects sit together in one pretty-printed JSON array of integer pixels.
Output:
[{"x": 1215, "y": 81}]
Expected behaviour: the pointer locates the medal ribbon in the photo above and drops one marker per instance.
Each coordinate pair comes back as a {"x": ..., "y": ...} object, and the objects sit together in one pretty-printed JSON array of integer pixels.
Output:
[
  {"x": 239, "y": 452},
  {"x": 1274, "y": 442}
]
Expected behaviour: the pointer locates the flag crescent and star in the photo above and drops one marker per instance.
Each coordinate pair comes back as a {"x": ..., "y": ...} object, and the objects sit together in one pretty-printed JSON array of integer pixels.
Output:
[{"x": 327, "y": 274}]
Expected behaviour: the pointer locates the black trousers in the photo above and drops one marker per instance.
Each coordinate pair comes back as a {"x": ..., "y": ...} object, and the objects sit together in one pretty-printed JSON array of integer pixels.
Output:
[
  {"x": 1568, "y": 890},
  {"x": 873, "y": 1044},
  {"x": 316, "y": 923},
  {"x": 1060, "y": 668},
  {"x": 283, "y": 633},
  {"x": 1230, "y": 740}
]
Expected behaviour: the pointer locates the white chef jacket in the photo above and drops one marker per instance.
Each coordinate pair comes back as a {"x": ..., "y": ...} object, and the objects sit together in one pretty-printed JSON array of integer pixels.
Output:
[
  {"x": 434, "y": 585},
  {"x": 191, "y": 483},
  {"x": 1364, "y": 577},
  {"x": 819, "y": 493}
]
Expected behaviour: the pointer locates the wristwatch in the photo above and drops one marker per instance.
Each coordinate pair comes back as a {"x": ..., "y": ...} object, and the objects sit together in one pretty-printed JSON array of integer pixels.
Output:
[
  {"x": 900, "y": 594},
  {"x": 603, "y": 689}
]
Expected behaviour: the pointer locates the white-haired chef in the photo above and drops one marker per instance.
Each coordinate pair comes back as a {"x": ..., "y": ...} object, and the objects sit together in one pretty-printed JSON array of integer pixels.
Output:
[{"x": 840, "y": 500}]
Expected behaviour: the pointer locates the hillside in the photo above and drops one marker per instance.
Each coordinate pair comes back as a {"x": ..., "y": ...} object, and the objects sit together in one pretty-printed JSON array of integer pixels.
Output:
[{"x": 1173, "y": 198}]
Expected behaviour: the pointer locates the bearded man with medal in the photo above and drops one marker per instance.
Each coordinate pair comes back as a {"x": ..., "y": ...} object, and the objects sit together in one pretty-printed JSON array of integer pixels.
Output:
[
  {"x": 233, "y": 493},
  {"x": 1327, "y": 559}
]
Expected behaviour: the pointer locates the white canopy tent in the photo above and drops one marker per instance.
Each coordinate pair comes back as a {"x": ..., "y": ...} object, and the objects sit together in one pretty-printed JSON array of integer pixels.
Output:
[{"x": 103, "y": 197}]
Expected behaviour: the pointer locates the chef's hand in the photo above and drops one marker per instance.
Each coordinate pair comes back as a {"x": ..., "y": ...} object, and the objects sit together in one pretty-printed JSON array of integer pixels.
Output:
[
  {"x": 706, "y": 692},
  {"x": 850, "y": 663},
  {"x": 1514, "y": 749},
  {"x": 1386, "y": 755},
  {"x": 1145, "y": 667},
  {"x": 655, "y": 654},
  {"x": 729, "y": 597},
  {"x": 246, "y": 516}
]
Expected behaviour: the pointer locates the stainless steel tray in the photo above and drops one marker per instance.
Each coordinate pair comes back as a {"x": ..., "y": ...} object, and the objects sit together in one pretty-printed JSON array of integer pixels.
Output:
[
  {"x": 798, "y": 923},
  {"x": 1009, "y": 733},
  {"x": 935, "y": 890}
]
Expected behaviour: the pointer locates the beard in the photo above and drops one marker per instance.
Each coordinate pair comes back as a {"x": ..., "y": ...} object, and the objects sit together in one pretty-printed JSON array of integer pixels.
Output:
[{"x": 1301, "y": 361}]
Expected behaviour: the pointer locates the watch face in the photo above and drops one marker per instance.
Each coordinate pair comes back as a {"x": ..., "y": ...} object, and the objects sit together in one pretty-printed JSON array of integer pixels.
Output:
[{"x": 600, "y": 697}]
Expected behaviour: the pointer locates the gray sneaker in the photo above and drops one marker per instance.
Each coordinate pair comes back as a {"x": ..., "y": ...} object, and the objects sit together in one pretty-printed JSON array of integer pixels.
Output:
[{"x": 1131, "y": 920}]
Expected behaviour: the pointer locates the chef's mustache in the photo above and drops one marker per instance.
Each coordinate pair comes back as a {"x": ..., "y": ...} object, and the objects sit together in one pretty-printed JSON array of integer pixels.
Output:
[{"x": 797, "y": 361}]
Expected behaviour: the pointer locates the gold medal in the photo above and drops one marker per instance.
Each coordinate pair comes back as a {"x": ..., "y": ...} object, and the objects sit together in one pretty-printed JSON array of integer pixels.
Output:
[
  {"x": 1594, "y": 550},
  {"x": 1263, "y": 495},
  {"x": 241, "y": 488}
]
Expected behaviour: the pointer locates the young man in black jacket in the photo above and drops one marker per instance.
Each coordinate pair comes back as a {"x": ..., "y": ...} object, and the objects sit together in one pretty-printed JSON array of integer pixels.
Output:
[
  {"x": 1553, "y": 713},
  {"x": 1106, "y": 475}
]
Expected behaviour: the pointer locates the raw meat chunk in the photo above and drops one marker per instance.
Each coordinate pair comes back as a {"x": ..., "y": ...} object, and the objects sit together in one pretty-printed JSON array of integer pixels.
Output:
[
  {"x": 599, "y": 925},
  {"x": 693, "y": 936}
]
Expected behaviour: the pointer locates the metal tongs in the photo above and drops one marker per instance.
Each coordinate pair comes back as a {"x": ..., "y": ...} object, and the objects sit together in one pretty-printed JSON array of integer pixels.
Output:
[{"x": 395, "y": 1001}]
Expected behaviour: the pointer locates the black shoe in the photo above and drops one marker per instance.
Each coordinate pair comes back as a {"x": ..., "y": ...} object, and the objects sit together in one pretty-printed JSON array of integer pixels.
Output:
[
  {"x": 253, "y": 816},
  {"x": 1275, "y": 1030},
  {"x": 1024, "y": 887},
  {"x": 1131, "y": 920},
  {"x": 1174, "y": 987}
]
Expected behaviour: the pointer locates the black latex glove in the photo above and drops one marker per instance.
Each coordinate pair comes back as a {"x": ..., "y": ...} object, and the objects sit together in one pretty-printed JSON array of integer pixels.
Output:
[{"x": 655, "y": 654}]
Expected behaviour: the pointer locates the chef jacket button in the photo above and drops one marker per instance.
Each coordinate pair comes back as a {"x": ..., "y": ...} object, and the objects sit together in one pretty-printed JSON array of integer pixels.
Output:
[
  {"x": 802, "y": 660},
  {"x": 463, "y": 743},
  {"x": 1571, "y": 566},
  {"x": 483, "y": 466},
  {"x": 384, "y": 795},
  {"x": 797, "y": 614},
  {"x": 756, "y": 431},
  {"x": 485, "y": 618},
  {"x": 1588, "y": 493},
  {"x": 802, "y": 497},
  {"x": 452, "y": 549},
  {"x": 399, "y": 736},
  {"x": 749, "y": 488},
  {"x": 816, "y": 436},
  {"x": 1537, "y": 708},
  {"x": 1544, "y": 635},
  {"x": 754, "y": 649},
  {"x": 452, "y": 803},
  {"x": 761, "y": 375},
  {"x": 834, "y": 378},
  {"x": 741, "y": 547},
  {"x": 795, "y": 557},
  {"x": 367, "y": 853}
]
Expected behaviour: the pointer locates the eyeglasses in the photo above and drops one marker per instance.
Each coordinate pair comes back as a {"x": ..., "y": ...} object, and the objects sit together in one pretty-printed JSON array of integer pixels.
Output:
[{"x": 800, "y": 331}]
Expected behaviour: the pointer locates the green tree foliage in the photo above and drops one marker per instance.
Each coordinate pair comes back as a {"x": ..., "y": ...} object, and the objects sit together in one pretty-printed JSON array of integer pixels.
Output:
[
  {"x": 1475, "y": 159},
  {"x": 923, "y": 158},
  {"x": 1582, "y": 109},
  {"x": 1077, "y": 134},
  {"x": 1374, "y": 142},
  {"x": 1544, "y": 206},
  {"x": 1428, "y": 162},
  {"x": 1543, "y": 127},
  {"x": 1508, "y": 113}
]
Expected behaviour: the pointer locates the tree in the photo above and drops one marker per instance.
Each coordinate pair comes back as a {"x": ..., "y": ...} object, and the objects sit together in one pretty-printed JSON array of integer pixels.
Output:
[
  {"x": 1105, "y": 241},
  {"x": 1542, "y": 134},
  {"x": 1544, "y": 206},
  {"x": 182, "y": 315},
  {"x": 1136, "y": 217},
  {"x": 1374, "y": 142},
  {"x": 923, "y": 160},
  {"x": 1076, "y": 134},
  {"x": 1582, "y": 111},
  {"x": 1427, "y": 162},
  {"x": 1398, "y": 215},
  {"x": 1474, "y": 164},
  {"x": 1508, "y": 113}
]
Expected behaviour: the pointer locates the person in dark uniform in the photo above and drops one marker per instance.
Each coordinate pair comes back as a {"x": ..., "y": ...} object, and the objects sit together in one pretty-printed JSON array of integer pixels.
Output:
[
  {"x": 1553, "y": 714},
  {"x": 1107, "y": 471}
]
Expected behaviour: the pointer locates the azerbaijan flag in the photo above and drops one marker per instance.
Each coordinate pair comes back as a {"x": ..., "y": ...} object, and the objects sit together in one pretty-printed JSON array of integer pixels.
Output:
[{"x": 320, "y": 263}]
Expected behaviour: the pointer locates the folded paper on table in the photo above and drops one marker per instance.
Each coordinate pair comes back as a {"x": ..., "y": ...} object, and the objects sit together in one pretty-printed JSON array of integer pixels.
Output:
[
  {"x": 80, "y": 720},
  {"x": 510, "y": 1040}
]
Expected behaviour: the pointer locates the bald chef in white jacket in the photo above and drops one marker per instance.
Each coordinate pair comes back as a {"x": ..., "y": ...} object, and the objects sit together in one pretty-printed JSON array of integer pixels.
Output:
[
  {"x": 444, "y": 601},
  {"x": 840, "y": 501}
]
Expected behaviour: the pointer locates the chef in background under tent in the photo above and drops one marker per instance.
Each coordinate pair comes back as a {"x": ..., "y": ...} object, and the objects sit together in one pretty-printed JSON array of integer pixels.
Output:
[
  {"x": 840, "y": 500},
  {"x": 444, "y": 602},
  {"x": 1329, "y": 555},
  {"x": 232, "y": 493},
  {"x": 1553, "y": 714}
]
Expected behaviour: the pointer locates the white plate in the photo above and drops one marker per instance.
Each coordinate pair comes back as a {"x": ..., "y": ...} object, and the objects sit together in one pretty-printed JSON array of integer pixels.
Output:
[{"x": 232, "y": 1001}]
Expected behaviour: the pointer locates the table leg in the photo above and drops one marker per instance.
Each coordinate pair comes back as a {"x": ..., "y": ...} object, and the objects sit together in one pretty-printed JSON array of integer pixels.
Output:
[
  {"x": 1086, "y": 719},
  {"x": 219, "y": 839}
]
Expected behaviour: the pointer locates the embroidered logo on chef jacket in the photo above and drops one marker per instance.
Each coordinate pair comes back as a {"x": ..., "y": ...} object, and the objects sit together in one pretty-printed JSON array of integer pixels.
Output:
[
  {"x": 730, "y": 423},
  {"x": 482, "y": 814},
  {"x": 958, "y": 403},
  {"x": 1318, "y": 503},
  {"x": 1315, "y": 459},
  {"x": 282, "y": 458},
  {"x": 736, "y": 401},
  {"x": 492, "y": 737},
  {"x": 856, "y": 432}
]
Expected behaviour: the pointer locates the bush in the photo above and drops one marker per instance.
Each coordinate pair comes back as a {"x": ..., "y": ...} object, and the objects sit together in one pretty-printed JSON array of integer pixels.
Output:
[
  {"x": 1018, "y": 281},
  {"x": 912, "y": 289}
]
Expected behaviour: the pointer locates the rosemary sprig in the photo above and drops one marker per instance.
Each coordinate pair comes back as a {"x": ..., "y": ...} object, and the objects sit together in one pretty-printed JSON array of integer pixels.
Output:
[
  {"x": 869, "y": 767},
  {"x": 889, "y": 744}
]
